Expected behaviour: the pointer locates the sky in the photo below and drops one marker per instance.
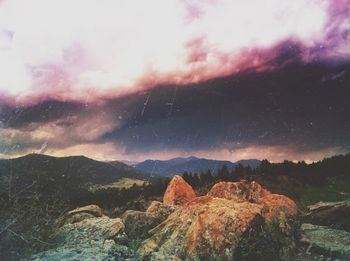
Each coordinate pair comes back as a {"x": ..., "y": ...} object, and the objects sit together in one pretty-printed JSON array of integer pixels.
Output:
[{"x": 134, "y": 80}]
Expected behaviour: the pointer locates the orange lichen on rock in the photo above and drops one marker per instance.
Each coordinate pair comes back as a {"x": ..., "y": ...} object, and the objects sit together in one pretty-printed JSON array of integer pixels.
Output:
[
  {"x": 239, "y": 191},
  {"x": 206, "y": 227},
  {"x": 275, "y": 205},
  {"x": 218, "y": 225},
  {"x": 178, "y": 192},
  {"x": 211, "y": 227}
]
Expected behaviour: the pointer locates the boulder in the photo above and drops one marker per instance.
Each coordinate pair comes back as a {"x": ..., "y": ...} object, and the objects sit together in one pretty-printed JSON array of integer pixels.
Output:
[
  {"x": 79, "y": 214},
  {"x": 206, "y": 228},
  {"x": 239, "y": 191},
  {"x": 275, "y": 205},
  {"x": 91, "y": 229},
  {"x": 159, "y": 210},
  {"x": 326, "y": 240},
  {"x": 90, "y": 239},
  {"x": 223, "y": 225},
  {"x": 235, "y": 221},
  {"x": 243, "y": 191},
  {"x": 178, "y": 192},
  {"x": 334, "y": 214},
  {"x": 138, "y": 223},
  {"x": 90, "y": 209}
]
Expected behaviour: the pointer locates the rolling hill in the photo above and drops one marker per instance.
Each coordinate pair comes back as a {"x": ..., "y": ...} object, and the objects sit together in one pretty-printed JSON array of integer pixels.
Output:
[{"x": 50, "y": 174}]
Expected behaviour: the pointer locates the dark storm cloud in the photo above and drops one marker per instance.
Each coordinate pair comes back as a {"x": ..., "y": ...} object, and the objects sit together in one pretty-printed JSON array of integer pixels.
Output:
[
  {"x": 43, "y": 112},
  {"x": 53, "y": 125},
  {"x": 303, "y": 105}
]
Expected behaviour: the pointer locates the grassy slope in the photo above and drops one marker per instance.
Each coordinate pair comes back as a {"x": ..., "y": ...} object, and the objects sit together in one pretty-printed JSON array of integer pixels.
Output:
[{"x": 120, "y": 184}]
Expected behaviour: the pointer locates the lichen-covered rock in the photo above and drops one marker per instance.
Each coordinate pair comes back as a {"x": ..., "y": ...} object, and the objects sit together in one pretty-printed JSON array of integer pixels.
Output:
[
  {"x": 235, "y": 221},
  {"x": 159, "y": 210},
  {"x": 322, "y": 239},
  {"x": 71, "y": 219},
  {"x": 98, "y": 250},
  {"x": 178, "y": 192},
  {"x": 275, "y": 205},
  {"x": 335, "y": 214},
  {"x": 79, "y": 214},
  {"x": 243, "y": 191},
  {"x": 205, "y": 228},
  {"x": 216, "y": 226},
  {"x": 90, "y": 209},
  {"x": 239, "y": 191},
  {"x": 138, "y": 223},
  {"x": 90, "y": 229},
  {"x": 90, "y": 239}
]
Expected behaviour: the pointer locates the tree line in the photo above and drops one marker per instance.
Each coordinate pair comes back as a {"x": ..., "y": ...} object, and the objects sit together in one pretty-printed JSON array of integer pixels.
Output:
[{"x": 312, "y": 174}]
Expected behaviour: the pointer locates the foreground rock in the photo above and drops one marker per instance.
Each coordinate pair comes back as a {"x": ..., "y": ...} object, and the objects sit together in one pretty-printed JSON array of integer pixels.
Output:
[
  {"x": 223, "y": 226},
  {"x": 178, "y": 192},
  {"x": 206, "y": 228},
  {"x": 90, "y": 239},
  {"x": 273, "y": 205},
  {"x": 235, "y": 221},
  {"x": 335, "y": 214},
  {"x": 242, "y": 191},
  {"x": 137, "y": 223},
  {"x": 325, "y": 240},
  {"x": 79, "y": 214}
]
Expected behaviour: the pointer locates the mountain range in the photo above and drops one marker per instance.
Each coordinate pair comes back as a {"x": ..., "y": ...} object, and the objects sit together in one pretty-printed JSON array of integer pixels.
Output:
[
  {"x": 190, "y": 164},
  {"x": 47, "y": 173}
]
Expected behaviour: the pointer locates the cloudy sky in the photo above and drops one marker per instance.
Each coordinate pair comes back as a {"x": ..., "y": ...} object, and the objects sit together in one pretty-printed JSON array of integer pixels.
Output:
[{"x": 223, "y": 79}]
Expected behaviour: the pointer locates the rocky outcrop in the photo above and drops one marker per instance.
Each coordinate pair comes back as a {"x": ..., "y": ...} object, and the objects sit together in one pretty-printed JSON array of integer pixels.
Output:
[
  {"x": 90, "y": 239},
  {"x": 275, "y": 205},
  {"x": 138, "y": 223},
  {"x": 234, "y": 221},
  {"x": 178, "y": 192},
  {"x": 335, "y": 214},
  {"x": 206, "y": 227},
  {"x": 243, "y": 191},
  {"x": 213, "y": 227},
  {"x": 94, "y": 210},
  {"x": 79, "y": 214},
  {"x": 325, "y": 240},
  {"x": 325, "y": 232}
]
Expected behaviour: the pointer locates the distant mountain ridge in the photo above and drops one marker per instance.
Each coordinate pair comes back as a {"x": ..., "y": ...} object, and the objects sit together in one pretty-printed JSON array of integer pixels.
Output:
[
  {"x": 190, "y": 164},
  {"x": 72, "y": 172}
]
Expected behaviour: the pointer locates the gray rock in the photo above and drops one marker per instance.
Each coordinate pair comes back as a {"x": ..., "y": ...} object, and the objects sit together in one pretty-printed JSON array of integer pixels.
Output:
[
  {"x": 160, "y": 211},
  {"x": 95, "y": 251},
  {"x": 79, "y": 214},
  {"x": 137, "y": 223},
  {"x": 91, "y": 209},
  {"x": 322, "y": 239},
  {"x": 90, "y": 239},
  {"x": 334, "y": 214},
  {"x": 74, "y": 218}
]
